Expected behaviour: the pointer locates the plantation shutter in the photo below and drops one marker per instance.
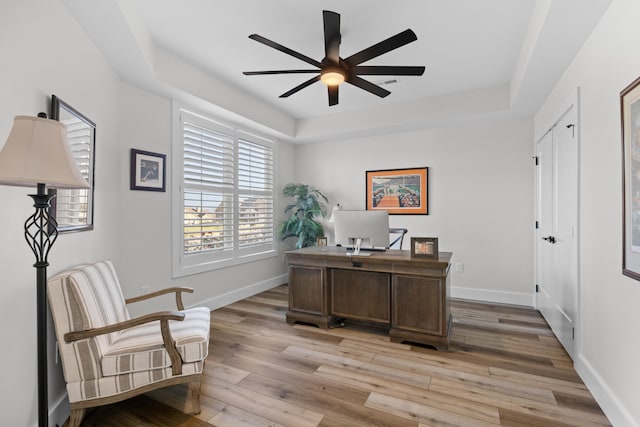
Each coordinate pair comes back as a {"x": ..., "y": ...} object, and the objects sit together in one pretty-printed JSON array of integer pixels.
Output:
[
  {"x": 208, "y": 190},
  {"x": 224, "y": 195},
  {"x": 255, "y": 194}
]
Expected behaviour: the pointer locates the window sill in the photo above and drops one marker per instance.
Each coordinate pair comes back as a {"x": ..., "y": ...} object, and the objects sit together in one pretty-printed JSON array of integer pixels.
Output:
[{"x": 181, "y": 270}]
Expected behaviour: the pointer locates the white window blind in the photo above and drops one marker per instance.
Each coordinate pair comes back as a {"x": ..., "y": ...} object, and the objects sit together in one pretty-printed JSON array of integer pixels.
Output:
[
  {"x": 227, "y": 193},
  {"x": 208, "y": 190},
  {"x": 255, "y": 187}
]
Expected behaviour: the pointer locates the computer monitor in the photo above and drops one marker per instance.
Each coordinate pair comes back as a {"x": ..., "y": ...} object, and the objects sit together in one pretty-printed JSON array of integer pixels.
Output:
[{"x": 371, "y": 227}]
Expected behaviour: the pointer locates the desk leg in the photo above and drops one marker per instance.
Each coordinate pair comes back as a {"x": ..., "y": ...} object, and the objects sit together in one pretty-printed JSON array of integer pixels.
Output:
[
  {"x": 408, "y": 336},
  {"x": 324, "y": 322}
]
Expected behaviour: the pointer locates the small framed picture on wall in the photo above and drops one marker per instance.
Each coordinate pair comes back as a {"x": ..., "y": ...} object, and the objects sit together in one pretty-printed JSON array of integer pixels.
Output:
[{"x": 147, "y": 170}]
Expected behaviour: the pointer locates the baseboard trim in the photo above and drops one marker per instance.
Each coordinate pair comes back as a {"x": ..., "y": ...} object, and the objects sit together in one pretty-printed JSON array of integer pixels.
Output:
[
  {"x": 609, "y": 403},
  {"x": 59, "y": 413},
  {"x": 242, "y": 293},
  {"x": 492, "y": 296}
]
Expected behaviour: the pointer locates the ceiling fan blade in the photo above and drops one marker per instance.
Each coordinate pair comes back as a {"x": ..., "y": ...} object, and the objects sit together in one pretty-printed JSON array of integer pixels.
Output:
[
  {"x": 383, "y": 70},
  {"x": 284, "y": 49},
  {"x": 301, "y": 86},
  {"x": 333, "y": 95},
  {"x": 257, "y": 73},
  {"x": 368, "y": 86},
  {"x": 331, "y": 35},
  {"x": 394, "y": 42}
]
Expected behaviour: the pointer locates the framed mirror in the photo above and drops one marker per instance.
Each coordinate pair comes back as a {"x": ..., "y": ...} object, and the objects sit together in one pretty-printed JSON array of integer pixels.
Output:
[{"x": 73, "y": 208}]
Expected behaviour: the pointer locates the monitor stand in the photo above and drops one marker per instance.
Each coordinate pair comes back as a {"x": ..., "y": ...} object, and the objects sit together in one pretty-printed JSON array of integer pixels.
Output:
[{"x": 356, "y": 249}]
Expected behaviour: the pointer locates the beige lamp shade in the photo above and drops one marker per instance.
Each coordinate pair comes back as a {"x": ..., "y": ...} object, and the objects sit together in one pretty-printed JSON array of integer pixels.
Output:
[{"x": 36, "y": 152}]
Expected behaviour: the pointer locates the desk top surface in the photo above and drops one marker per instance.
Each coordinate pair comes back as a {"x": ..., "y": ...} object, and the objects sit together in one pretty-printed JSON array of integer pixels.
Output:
[{"x": 391, "y": 255}]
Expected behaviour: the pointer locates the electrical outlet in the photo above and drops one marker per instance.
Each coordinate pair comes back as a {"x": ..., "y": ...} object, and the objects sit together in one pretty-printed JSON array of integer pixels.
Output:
[
  {"x": 459, "y": 267},
  {"x": 144, "y": 290}
]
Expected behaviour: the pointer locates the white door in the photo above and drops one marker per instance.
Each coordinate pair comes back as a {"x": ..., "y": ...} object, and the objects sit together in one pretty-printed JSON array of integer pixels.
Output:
[
  {"x": 557, "y": 238},
  {"x": 546, "y": 281}
]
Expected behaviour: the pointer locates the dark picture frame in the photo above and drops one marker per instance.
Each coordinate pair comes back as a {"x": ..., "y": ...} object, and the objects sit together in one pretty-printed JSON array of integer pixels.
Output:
[
  {"x": 630, "y": 120},
  {"x": 148, "y": 171},
  {"x": 73, "y": 208},
  {"x": 398, "y": 191},
  {"x": 424, "y": 247},
  {"x": 322, "y": 241}
]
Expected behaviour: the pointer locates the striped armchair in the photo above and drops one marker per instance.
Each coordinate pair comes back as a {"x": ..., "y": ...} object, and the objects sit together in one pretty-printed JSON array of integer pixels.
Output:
[{"x": 107, "y": 356}]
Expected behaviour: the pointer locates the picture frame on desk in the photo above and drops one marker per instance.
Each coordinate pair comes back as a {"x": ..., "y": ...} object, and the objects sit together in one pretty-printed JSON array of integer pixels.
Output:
[
  {"x": 424, "y": 247},
  {"x": 322, "y": 241}
]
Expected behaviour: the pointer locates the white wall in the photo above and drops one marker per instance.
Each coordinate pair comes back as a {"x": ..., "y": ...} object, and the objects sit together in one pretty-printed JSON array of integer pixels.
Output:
[
  {"x": 480, "y": 196},
  {"x": 146, "y": 123},
  {"x": 45, "y": 52},
  {"x": 608, "y": 346}
]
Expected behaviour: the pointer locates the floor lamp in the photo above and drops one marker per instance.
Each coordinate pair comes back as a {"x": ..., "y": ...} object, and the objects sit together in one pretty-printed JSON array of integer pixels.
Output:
[{"x": 36, "y": 154}]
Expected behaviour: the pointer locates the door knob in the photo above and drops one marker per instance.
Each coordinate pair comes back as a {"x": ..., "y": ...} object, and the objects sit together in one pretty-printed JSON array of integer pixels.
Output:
[{"x": 549, "y": 239}]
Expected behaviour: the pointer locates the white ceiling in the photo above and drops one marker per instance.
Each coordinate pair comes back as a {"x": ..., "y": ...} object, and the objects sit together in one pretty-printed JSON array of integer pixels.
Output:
[{"x": 516, "y": 47}]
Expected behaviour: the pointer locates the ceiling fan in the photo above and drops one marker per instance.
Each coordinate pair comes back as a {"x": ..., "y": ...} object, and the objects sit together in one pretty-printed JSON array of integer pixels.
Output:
[{"x": 334, "y": 70}]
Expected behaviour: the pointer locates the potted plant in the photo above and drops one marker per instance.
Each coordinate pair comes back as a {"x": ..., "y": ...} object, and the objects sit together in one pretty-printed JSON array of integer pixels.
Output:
[{"x": 308, "y": 204}]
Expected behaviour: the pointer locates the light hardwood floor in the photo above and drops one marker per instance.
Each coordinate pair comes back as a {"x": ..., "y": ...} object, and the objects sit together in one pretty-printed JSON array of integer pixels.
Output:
[{"x": 504, "y": 367}]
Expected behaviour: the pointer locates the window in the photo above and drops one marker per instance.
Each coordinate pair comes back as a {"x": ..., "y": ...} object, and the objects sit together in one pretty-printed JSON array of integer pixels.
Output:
[{"x": 225, "y": 209}]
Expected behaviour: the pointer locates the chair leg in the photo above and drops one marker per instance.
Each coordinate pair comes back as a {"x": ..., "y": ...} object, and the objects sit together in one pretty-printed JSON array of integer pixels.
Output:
[
  {"x": 194, "y": 387},
  {"x": 76, "y": 417}
]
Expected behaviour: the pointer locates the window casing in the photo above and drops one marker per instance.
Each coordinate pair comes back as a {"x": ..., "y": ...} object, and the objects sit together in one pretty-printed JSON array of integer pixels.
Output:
[{"x": 223, "y": 195}]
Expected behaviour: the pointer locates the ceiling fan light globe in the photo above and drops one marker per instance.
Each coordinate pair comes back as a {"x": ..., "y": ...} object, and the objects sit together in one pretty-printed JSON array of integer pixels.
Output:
[{"x": 332, "y": 78}]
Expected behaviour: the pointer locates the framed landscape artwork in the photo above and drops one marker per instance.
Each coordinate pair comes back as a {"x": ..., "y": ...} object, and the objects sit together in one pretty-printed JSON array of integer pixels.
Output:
[
  {"x": 630, "y": 116},
  {"x": 398, "y": 191}
]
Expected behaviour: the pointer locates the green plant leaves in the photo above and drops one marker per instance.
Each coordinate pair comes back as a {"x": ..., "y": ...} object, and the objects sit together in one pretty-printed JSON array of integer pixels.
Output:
[{"x": 309, "y": 203}]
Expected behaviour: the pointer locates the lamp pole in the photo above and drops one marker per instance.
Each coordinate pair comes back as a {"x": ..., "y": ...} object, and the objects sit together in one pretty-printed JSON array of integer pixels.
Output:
[
  {"x": 40, "y": 231},
  {"x": 36, "y": 152}
]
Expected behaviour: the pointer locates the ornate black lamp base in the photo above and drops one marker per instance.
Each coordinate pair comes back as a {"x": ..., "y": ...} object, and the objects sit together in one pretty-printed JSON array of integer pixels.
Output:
[{"x": 40, "y": 231}]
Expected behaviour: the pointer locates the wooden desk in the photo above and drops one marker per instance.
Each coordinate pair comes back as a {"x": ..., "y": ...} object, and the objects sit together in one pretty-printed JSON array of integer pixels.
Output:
[{"x": 408, "y": 295}]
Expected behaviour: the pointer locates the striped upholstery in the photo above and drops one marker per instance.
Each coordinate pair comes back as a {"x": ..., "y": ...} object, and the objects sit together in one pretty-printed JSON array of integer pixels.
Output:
[
  {"x": 89, "y": 296},
  {"x": 141, "y": 348}
]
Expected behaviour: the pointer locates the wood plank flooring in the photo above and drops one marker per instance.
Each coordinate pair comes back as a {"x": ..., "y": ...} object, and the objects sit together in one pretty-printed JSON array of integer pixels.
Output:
[{"x": 504, "y": 367}]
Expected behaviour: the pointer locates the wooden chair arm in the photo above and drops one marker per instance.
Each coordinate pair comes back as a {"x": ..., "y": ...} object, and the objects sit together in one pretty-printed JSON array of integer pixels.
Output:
[
  {"x": 162, "y": 316},
  {"x": 90, "y": 333},
  {"x": 178, "y": 291}
]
